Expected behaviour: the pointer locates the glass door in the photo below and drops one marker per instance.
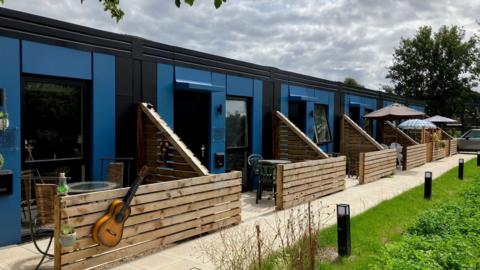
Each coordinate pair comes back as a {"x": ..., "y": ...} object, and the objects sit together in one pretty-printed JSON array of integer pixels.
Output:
[
  {"x": 55, "y": 126},
  {"x": 237, "y": 143}
]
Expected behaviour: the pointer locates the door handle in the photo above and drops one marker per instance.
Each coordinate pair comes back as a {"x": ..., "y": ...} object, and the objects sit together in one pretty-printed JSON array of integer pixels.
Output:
[{"x": 203, "y": 150}]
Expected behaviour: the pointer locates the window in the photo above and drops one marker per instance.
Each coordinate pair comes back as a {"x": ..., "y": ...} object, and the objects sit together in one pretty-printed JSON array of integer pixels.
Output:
[
  {"x": 472, "y": 134},
  {"x": 320, "y": 118},
  {"x": 237, "y": 123},
  {"x": 53, "y": 124}
]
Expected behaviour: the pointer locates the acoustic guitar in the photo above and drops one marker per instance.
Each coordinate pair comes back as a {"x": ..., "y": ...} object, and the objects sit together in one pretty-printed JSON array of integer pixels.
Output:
[{"x": 108, "y": 230}]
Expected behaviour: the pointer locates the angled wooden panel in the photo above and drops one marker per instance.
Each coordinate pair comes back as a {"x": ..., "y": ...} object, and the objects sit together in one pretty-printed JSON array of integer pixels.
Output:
[
  {"x": 160, "y": 148},
  {"x": 292, "y": 143}
]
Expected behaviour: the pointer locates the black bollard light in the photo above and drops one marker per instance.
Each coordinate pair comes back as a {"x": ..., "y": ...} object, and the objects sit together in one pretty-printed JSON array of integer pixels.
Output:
[
  {"x": 343, "y": 230},
  {"x": 460, "y": 168},
  {"x": 478, "y": 158},
  {"x": 427, "y": 192}
]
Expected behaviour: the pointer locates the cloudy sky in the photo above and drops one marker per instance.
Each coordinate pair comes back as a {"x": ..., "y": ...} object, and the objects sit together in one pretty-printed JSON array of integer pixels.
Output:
[{"x": 331, "y": 39}]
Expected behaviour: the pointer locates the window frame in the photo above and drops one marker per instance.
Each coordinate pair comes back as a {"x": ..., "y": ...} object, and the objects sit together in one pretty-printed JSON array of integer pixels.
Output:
[
  {"x": 326, "y": 107},
  {"x": 87, "y": 106}
]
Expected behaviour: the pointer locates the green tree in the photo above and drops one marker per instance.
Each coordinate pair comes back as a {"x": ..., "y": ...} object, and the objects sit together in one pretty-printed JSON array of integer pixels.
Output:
[
  {"x": 352, "y": 82},
  {"x": 113, "y": 6},
  {"x": 440, "y": 68}
]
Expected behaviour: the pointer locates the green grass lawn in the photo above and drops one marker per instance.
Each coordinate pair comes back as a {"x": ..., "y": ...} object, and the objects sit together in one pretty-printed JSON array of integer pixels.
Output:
[{"x": 385, "y": 223}]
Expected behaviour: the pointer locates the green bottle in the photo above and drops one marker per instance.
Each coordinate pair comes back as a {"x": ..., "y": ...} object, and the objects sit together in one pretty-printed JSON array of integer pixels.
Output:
[{"x": 62, "y": 188}]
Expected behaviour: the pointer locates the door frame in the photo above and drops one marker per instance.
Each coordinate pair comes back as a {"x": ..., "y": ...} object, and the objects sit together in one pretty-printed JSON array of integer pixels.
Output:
[{"x": 248, "y": 149}]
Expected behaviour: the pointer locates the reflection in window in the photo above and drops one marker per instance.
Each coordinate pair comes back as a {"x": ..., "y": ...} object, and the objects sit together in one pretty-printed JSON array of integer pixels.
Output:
[
  {"x": 237, "y": 123},
  {"x": 320, "y": 118},
  {"x": 53, "y": 125}
]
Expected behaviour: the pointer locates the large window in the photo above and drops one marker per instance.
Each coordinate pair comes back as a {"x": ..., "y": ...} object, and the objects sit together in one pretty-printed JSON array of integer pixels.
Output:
[
  {"x": 237, "y": 123},
  {"x": 55, "y": 131},
  {"x": 320, "y": 118}
]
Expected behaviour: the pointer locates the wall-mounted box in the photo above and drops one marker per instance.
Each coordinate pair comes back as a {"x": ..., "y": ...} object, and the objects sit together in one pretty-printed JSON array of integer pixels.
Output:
[
  {"x": 219, "y": 160},
  {"x": 6, "y": 182}
]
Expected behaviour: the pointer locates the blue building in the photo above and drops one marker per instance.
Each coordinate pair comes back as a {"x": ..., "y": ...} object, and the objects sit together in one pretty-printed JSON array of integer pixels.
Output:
[{"x": 72, "y": 93}]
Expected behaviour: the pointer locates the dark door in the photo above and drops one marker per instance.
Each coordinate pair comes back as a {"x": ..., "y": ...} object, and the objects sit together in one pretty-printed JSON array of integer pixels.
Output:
[
  {"x": 56, "y": 126},
  {"x": 354, "y": 114},
  {"x": 191, "y": 122},
  {"x": 296, "y": 113},
  {"x": 238, "y": 138}
]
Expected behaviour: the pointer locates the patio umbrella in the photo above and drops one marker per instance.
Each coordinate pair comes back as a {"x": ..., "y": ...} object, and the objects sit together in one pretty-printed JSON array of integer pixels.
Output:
[
  {"x": 440, "y": 119},
  {"x": 417, "y": 124},
  {"x": 394, "y": 111}
]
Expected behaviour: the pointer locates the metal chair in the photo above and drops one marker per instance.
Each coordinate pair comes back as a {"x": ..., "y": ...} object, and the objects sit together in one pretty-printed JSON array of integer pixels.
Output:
[
  {"x": 267, "y": 178},
  {"x": 399, "y": 149},
  {"x": 252, "y": 161}
]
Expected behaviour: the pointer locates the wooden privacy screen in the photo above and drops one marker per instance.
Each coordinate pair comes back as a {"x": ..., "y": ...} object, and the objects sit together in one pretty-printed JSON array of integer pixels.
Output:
[
  {"x": 162, "y": 150},
  {"x": 162, "y": 214},
  {"x": 353, "y": 141},
  {"x": 429, "y": 157},
  {"x": 438, "y": 150},
  {"x": 301, "y": 182},
  {"x": 392, "y": 134},
  {"x": 291, "y": 143},
  {"x": 453, "y": 147},
  {"x": 414, "y": 156},
  {"x": 375, "y": 165}
]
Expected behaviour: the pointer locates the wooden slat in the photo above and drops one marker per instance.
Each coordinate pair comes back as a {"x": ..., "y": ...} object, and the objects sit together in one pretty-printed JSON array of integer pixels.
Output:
[
  {"x": 362, "y": 132},
  {"x": 173, "y": 139},
  {"x": 305, "y": 181},
  {"x": 284, "y": 120},
  {"x": 375, "y": 165},
  {"x": 162, "y": 214}
]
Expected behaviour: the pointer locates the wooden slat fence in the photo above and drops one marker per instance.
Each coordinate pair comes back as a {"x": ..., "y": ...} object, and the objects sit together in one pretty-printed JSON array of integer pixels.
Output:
[
  {"x": 392, "y": 134},
  {"x": 377, "y": 164},
  {"x": 414, "y": 156},
  {"x": 453, "y": 147},
  {"x": 162, "y": 214},
  {"x": 353, "y": 141},
  {"x": 438, "y": 150},
  {"x": 291, "y": 143},
  {"x": 301, "y": 182},
  {"x": 429, "y": 157},
  {"x": 162, "y": 150}
]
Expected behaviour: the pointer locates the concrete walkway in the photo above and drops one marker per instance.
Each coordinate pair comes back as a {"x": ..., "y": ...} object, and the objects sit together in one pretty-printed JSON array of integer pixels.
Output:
[{"x": 191, "y": 254}]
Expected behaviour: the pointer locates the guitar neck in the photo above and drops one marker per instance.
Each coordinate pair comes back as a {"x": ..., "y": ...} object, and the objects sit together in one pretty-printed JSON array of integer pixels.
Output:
[{"x": 131, "y": 192}]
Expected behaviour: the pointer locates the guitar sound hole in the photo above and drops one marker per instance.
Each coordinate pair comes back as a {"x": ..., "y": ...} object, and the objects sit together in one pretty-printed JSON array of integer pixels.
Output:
[{"x": 111, "y": 232}]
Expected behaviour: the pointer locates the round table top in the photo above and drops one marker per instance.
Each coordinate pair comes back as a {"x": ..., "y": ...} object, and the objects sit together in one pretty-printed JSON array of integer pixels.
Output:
[
  {"x": 274, "y": 161},
  {"x": 90, "y": 186}
]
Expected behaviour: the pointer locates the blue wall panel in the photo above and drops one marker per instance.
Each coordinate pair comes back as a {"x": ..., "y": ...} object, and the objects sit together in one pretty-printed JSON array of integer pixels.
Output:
[
  {"x": 257, "y": 116},
  {"x": 217, "y": 143},
  {"x": 103, "y": 144},
  {"x": 165, "y": 88},
  {"x": 190, "y": 74},
  {"x": 10, "y": 80},
  {"x": 418, "y": 108},
  {"x": 239, "y": 86},
  {"x": 51, "y": 60}
]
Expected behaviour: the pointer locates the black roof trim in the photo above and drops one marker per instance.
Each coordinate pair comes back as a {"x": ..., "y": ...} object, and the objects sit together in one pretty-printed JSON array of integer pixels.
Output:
[{"x": 37, "y": 28}]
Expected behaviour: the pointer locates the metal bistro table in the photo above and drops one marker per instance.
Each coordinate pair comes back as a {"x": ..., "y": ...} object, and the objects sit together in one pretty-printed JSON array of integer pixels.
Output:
[
  {"x": 268, "y": 175},
  {"x": 90, "y": 186}
]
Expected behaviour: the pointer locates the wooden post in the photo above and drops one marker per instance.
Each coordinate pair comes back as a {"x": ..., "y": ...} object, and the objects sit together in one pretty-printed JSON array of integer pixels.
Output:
[
  {"x": 361, "y": 168},
  {"x": 57, "y": 219},
  {"x": 279, "y": 183}
]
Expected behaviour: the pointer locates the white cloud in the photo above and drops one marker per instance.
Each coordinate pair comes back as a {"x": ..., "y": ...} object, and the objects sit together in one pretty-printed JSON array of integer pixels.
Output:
[{"x": 324, "y": 38}]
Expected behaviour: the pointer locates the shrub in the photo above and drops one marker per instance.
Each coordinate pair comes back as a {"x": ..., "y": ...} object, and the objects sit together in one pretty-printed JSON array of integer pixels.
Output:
[{"x": 447, "y": 237}]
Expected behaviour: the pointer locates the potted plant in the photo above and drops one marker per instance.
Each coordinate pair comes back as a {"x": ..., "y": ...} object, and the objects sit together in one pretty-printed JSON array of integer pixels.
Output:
[
  {"x": 4, "y": 123},
  {"x": 68, "y": 235},
  {"x": 2, "y": 161}
]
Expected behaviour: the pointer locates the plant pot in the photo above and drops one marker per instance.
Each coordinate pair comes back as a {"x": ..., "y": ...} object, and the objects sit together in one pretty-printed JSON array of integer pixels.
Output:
[
  {"x": 4, "y": 123},
  {"x": 68, "y": 240}
]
